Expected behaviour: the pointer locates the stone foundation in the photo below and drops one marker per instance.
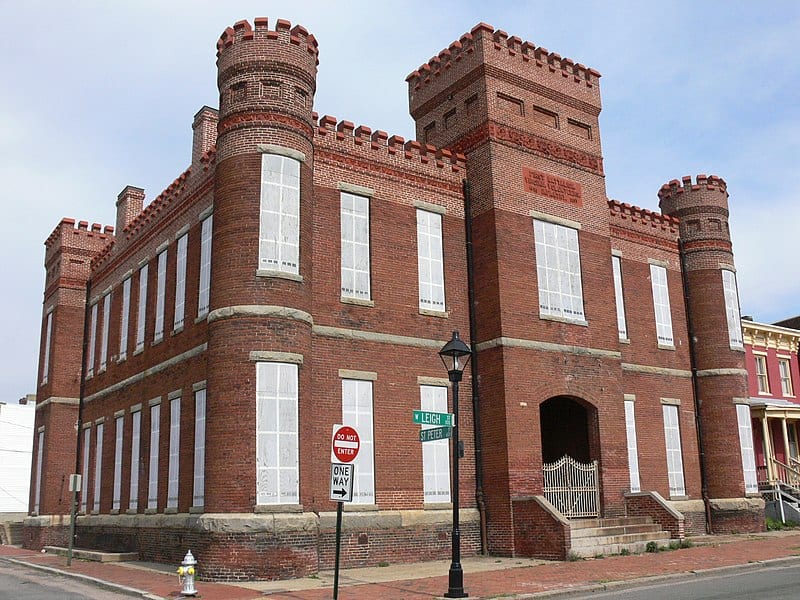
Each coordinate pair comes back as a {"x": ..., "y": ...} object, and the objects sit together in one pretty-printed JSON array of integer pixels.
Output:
[
  {"x": 738, "y": 515},
  {"x": 242, "y": 547},
  {"x": 47, "y": 530},
  {"x": 694, "y": 515}
]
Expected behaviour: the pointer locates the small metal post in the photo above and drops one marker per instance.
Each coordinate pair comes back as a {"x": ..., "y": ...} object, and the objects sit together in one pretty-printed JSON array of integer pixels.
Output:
[
  {"x": 72, "y": 515},
  {"x": 339, "y": 506}
]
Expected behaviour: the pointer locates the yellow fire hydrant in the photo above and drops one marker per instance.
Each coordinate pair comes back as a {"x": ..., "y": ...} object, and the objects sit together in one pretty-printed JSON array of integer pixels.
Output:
[{"x": 186, "y": 574}]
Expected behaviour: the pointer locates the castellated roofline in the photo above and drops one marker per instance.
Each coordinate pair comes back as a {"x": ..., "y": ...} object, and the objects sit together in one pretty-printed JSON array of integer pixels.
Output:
[
  {"x": 708, "y": 182},
  {"x": 242, "y": 32},
  {"x": 648, "y": 218},
  {"x": 380, "y": 141},
  {"x": 68, "y": 225},
  {"x": 526, "y": 51}
]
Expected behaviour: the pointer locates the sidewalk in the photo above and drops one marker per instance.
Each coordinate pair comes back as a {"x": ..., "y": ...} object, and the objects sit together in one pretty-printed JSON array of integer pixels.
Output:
[{"x": 484, "y": 577}]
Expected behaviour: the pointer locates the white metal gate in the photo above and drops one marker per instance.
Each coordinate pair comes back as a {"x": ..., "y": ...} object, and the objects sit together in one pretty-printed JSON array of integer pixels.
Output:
[{"x": 572, "y": 487}]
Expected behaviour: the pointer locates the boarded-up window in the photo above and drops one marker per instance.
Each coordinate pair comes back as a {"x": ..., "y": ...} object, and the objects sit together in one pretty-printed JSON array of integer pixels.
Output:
[
  {"x": 270, "y": 88},
  {"x": 471, "y": 104},
  {"x": 428, "y": 131},
  {"x": 545, "y": 117},
  {"x": 579, "y": 129},
  {"x": 238, "y": 91},
  {"x": 510, "y": 104},
  {"x": 301, "y": 97}
]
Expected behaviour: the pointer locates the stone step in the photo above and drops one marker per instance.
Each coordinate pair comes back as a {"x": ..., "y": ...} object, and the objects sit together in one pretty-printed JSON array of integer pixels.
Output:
[
  {"x": 610, "y": 522},
  {"x": 11, "y": 533},
  {"x": 625, "y": 538},
  {"x": 617, "y": 530},
  {"x": 94, "y": 555},
  {"x": 616, "y": 548}
]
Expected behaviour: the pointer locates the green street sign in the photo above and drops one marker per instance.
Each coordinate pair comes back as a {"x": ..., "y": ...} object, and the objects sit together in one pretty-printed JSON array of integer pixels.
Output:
[
  {"x": 435, "y": 433},
  {"x": 423, "y": 417}
]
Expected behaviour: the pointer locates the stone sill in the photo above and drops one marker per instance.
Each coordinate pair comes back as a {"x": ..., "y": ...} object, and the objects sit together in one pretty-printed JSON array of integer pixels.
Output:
[
  {"x": 355, "y": 507},
  {"x": 277, "y": 508},
  {"x": 580, "y": 322},
  {"x": 279, "y": 275},
  {"x": 441, "y": 314},
  {"x": 357, "y": 301}
]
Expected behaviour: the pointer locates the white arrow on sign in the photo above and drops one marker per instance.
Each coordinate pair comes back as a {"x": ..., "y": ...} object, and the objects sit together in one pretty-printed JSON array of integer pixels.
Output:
[{"x": 342, "y": 482}]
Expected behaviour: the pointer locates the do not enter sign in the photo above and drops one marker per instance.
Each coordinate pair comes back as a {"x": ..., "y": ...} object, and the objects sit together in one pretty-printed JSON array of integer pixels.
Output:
[{"x": 344, "y": 444}]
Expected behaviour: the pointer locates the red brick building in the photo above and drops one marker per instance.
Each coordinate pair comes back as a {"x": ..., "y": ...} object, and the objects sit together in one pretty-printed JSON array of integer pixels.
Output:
[{"x": 304, "y": 272}]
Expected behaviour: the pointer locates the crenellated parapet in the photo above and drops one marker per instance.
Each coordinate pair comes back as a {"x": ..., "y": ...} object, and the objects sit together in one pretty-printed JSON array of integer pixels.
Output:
[
  {"x": 674, "y": 188},
  {"x": 536, "y": 57},
  {"x": 68, "y": 232},
  {"x": 643, "y": 226},
  {"x": 243, "y": 32},
  {"x": 348, "y": 137},
  {"x": 642, "y": 216},
  {"x": 152, "y": 213}
]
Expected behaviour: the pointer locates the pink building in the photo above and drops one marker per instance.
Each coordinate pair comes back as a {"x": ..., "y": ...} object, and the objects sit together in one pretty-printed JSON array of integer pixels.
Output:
[{"x": 774, "y": 374}]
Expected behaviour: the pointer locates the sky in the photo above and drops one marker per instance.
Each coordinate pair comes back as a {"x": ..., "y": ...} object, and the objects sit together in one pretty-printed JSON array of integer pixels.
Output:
[{"x": 97, "y": 95}]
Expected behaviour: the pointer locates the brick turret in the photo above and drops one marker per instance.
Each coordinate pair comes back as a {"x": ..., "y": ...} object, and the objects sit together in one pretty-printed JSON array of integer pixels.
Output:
[
  {"x": 706, "y": 251},
  {"x": 69, "y": 251},
  {"x": 267, "y": 81}
]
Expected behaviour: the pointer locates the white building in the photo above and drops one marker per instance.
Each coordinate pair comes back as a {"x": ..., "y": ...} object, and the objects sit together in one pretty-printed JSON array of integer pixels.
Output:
[{"x": 16, "y": 444}]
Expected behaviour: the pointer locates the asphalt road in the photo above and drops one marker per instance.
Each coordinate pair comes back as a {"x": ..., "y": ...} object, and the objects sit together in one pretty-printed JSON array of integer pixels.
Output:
[
  {"x": 21, "y": 583},
  {"x": 780, "y": 582}
]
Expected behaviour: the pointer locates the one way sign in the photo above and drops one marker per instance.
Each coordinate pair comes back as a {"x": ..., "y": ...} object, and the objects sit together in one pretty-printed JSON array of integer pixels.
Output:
[{"x": 342, "y": 482}]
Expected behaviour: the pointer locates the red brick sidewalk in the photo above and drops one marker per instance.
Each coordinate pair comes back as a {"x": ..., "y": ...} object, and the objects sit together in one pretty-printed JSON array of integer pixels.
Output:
[
  {"x": 159, "y": 584},
  {"x": 737, "y": 550}
]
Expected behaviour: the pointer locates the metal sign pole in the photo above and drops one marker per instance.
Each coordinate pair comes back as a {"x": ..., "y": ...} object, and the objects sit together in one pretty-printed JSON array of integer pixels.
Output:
[
  {"x": 339, "y": 506},
  {"x": 74, "y": 485}
]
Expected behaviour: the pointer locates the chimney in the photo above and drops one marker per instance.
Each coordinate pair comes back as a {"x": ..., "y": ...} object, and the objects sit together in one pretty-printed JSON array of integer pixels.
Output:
[
  {"x": 129, "y": 204},
  {"x": 205, "y": 132}
]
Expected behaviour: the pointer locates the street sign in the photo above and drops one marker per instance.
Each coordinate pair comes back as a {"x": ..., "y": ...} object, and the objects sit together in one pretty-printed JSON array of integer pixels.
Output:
[
  {"x": 342, "y": 482},
  {"x": 423, "y": 417},
  {"x": 345, "y": 444},
  {"x": 435, "y": 433}
]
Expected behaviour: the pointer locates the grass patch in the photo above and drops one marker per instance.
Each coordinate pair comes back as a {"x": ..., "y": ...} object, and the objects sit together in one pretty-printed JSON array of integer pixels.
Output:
[
  {"x": 774, "y": 524},
  {"x": 573, "y": 556},
  {"x": 383, "y": 563}
]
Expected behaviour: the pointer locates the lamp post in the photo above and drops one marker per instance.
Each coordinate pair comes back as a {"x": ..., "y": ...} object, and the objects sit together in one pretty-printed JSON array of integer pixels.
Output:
[{"x": 455, "y": 355}]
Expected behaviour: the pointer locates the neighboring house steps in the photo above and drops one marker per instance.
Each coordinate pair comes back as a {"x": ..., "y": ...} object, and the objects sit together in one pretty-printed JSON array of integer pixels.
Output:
[
  {"x": 596, "y": 537},
  {"x": 782, "y": 502}
]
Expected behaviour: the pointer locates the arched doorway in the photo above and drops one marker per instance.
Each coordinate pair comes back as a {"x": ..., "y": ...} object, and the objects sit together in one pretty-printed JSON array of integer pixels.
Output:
[{"x": 570, "y": 455}]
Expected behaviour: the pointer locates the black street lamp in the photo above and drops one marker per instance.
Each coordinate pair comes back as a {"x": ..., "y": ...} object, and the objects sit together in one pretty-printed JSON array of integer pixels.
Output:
[{"x": 455, "y": 356}]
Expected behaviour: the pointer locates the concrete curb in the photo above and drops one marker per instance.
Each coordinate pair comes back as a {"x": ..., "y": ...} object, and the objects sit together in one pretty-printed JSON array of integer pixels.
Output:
[
  {"x": 114, "y": 587},
  {"x": 633, "y": 583}
]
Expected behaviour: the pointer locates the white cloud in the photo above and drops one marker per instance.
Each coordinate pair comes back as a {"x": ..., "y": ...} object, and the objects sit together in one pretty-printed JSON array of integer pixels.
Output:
[{"x": 101, "y": 94}]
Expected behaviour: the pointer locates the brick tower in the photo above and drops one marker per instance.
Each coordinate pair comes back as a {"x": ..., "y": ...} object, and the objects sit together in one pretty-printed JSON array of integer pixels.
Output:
[
  {"x": 527, "y": 121},
  {"x": 719, "y": 358},
  {"x": 260, "y": 295},
  {"x": 69, "y": 250}
]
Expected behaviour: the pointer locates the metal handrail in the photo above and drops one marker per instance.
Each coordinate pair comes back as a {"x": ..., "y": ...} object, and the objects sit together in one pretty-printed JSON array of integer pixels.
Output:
[{"x": 785, "y": 473}]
